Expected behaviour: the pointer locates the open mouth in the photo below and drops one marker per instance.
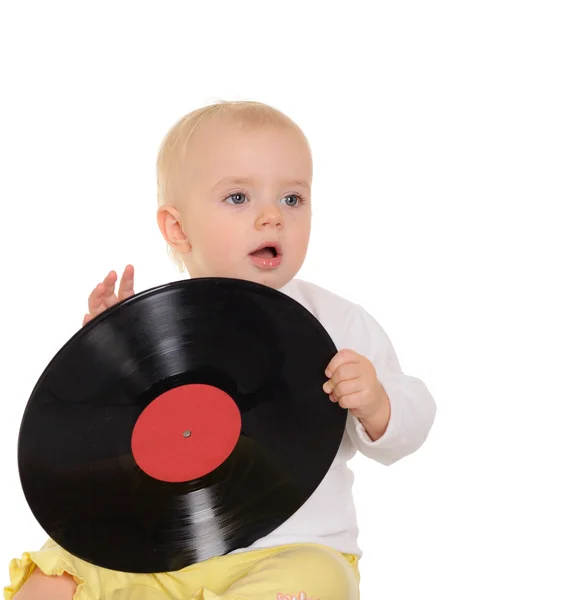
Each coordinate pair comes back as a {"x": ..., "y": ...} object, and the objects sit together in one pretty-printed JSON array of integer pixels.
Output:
[
  {"x": 267, "y": 251},
  {"x": 267, "y": 256}
]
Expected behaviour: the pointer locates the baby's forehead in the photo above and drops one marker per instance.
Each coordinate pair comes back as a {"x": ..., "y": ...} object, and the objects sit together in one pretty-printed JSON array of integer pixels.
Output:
[
  {"x": 242, "y": 146},
  {"x": 218, "y": 128}
]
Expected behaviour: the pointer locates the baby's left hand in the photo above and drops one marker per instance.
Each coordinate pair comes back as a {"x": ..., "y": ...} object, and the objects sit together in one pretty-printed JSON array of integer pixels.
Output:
[{"x": 354, "y": 384}]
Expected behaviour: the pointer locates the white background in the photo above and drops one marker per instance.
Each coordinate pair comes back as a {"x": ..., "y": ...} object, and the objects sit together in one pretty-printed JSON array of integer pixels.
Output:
[{"x": 449, "y": 146}]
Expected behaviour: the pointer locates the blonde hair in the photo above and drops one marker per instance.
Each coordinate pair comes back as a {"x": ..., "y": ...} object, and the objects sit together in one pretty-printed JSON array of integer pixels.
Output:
[{"x": 174, "y": 146}]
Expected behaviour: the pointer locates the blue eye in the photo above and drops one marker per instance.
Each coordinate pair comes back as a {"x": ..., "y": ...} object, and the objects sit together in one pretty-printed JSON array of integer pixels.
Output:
[
  {"x": 236, "y": 198},
  {"x": 292, "y": 200}
]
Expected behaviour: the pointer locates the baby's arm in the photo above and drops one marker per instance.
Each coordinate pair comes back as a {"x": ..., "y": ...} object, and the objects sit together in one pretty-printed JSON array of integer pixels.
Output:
[{"x": 412, "y": 408}]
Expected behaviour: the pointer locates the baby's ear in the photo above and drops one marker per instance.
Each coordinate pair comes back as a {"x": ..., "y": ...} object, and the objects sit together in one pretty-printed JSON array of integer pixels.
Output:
[{"x": 169, "y": 223}]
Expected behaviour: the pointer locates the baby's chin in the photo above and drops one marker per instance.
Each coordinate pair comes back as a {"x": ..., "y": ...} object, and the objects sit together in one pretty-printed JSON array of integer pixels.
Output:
[{"x": 273, "y": 279}]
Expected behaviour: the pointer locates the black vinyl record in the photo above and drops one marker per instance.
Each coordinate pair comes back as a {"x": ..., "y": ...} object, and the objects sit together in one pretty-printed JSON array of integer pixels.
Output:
[{"x": 181, "y": 424}]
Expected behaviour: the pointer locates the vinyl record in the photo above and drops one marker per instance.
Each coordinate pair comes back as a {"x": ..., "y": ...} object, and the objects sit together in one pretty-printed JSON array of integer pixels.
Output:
[{"x": 181, "y": 424}]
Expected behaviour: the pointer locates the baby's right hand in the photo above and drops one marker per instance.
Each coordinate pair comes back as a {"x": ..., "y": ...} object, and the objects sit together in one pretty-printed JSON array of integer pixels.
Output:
[{"x": 104, "y": 294}]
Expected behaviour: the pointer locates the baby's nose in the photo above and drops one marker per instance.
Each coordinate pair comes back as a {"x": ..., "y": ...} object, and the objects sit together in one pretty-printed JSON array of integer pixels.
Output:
[{"x": 270, "y": 216}]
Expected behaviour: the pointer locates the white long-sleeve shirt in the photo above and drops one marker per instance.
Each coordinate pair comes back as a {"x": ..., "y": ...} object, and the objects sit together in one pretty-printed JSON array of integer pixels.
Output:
[{"x": 329, "y": 515}]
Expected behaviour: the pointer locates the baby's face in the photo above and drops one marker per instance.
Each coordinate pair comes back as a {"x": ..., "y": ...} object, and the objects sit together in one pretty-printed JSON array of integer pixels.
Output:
[{"x": 249, "y": 188}]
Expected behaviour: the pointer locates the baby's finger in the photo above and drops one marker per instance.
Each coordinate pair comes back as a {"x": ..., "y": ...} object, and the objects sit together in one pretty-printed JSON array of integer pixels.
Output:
[
  {"x": 109, "y": 282},
  {"x": 346, "y": 372},
  {"x": 96, "y": 299},
  {"x": 342, "y": 357},
  {"x": 351, "y": 401},
  {"x": 347, "y": 388},
  {"x": 86, "y": 319},
  {"x": 126, "y": 283}
]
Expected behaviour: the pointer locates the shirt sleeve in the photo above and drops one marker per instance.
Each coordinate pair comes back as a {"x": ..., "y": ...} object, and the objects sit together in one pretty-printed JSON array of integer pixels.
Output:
[{"x": 412, "y": 408}]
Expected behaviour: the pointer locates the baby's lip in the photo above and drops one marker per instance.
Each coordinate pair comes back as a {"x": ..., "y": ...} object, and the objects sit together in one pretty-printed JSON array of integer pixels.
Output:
[{"x": 274, "y": 245}]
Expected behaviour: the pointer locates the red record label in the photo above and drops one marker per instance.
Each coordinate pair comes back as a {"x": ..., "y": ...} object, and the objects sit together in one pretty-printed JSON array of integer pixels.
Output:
[{"x": 186, "y": 433}]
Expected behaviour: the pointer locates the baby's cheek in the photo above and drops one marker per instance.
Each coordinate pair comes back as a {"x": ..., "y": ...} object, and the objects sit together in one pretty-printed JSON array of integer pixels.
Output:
[{"x": 224, "y": 249}]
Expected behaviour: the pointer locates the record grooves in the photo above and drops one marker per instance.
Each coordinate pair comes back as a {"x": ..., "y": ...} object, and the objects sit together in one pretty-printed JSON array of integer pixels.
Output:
[{"x": 181, "y": 424}]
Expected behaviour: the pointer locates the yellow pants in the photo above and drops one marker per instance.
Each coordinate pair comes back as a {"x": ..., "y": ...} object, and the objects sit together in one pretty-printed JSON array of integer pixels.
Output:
[{"x": 295, "y": 572}]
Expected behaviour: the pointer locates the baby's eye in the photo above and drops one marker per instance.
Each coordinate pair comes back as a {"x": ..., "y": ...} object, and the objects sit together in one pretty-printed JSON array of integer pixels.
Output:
[
  {"x": 292, "y": 200},
  {"x": 236, "y": 198}
]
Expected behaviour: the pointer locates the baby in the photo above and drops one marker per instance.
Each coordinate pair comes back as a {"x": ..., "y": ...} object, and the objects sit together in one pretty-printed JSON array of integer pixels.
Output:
[{"x": 234, "y": 192}]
